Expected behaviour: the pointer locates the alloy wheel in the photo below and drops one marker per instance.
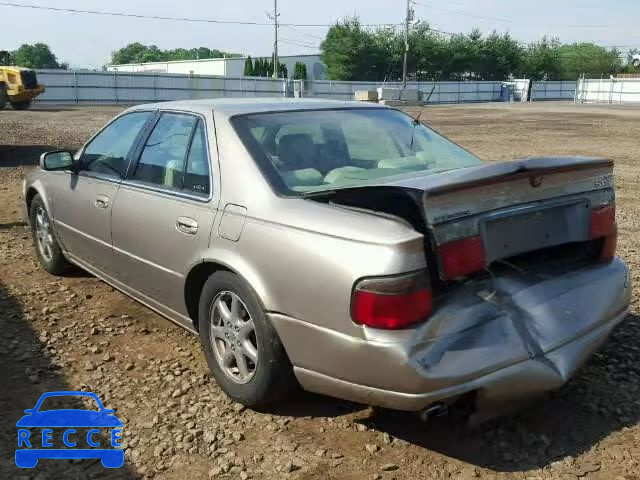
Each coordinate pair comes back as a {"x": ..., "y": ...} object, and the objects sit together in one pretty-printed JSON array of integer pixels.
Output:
[
  {"x": 44, "y": 235},
  {"x": 233, "y": 337}
]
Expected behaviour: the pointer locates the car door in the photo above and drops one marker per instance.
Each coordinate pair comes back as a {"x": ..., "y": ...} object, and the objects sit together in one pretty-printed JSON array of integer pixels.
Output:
[
  {"x": 83, "y": 199},
  {"x": 163, "y": 212}
]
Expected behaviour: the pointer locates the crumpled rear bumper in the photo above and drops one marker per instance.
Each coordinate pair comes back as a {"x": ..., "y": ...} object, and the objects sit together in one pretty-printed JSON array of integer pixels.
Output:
[{"x": 514, "y": 335}]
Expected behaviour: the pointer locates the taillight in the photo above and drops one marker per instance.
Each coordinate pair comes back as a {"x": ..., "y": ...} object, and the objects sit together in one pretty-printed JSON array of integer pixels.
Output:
[
  {"x": 391, "y": 303},
  {"x": 609, "y": 246},
  {"x": 603, "y": 222},
  {"x": 461, "y": 257},
  {"x": 603, "y": 225}
]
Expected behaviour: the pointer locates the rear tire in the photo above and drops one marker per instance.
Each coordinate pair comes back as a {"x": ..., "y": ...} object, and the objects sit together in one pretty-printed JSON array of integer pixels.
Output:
[
  {"x": 243, "y": 350},
  {"x": 21, "y": 105},
  {"x": 48, "y": 249}
]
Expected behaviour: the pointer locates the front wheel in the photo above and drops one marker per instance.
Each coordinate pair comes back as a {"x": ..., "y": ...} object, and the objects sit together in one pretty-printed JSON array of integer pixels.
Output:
[
  {"x": 48, "y": 250},
  {"x": 243, "y": 351},
  {"x": 24, "y": 105}
]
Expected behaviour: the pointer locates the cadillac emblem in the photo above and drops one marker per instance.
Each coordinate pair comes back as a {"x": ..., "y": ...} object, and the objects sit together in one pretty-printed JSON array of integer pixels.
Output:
[{"x": 536, "y": 180}]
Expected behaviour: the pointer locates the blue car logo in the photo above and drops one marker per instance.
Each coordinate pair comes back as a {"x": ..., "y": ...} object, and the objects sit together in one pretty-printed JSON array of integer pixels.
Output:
[{"x": 42, "y": 430}]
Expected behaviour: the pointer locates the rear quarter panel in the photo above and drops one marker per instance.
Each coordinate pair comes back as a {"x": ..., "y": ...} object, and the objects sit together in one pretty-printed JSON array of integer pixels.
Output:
[
  {"x": 303, "y": 257},
  {"x": 310, "y": 275}
]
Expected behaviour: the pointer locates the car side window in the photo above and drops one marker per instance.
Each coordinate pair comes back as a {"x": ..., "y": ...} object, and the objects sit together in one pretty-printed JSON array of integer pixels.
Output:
[
  {"x": 196, "y": 177},
  {"x": 163, "y": 157},
  {"x": 108, "y": 152}
]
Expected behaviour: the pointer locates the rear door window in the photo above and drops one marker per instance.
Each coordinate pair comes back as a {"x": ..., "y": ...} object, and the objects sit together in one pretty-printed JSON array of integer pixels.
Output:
[
  {"x": 196, "y": 177},
  {"x": 175, "y": 156}
]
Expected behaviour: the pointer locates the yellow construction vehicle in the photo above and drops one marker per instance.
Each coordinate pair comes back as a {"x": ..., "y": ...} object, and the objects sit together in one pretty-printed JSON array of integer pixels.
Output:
[{"x": 18, "y": 85}]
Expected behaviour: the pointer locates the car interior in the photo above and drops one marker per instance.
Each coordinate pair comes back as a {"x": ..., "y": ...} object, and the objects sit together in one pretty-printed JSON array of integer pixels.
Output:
[{"x": 326, "y": 157}]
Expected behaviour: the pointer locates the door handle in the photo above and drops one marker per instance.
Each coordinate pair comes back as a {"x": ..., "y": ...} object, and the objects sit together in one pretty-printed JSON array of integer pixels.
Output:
[
  {"x": 102, "y": 201},
  {"x": 187, "y": 225}
]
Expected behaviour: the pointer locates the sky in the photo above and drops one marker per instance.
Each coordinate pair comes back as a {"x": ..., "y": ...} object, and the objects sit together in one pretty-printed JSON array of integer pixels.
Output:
[{"x": 87, "y": 40}]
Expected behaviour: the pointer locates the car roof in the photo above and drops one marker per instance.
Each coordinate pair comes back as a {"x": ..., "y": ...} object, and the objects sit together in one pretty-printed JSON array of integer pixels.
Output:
[{"x": 229, "y": 107}]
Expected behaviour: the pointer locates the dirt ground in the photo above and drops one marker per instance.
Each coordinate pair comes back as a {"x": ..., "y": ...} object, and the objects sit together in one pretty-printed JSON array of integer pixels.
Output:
[{"x": 77, "y": 333}]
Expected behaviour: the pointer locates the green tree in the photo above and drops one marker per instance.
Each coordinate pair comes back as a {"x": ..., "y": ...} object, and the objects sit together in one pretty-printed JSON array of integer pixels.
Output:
[
  {"x": 38, "y": 55},
  {"x": 139, "y": 53},
  {"x": 128, "y": 54},
  {"x": 248, "y": 67},
  {"x": 300, "y": 71},
  {"x": 428, "y": 58},
  {"x": 541, "y": 60},
  {"x": 587, "y": 58},
  {"x": 465, "y": 57},
  {"x": 500, "y": 56},
  {"x": 283, "y": 72},
  {"x": 352, "y": 52},
  {"x": 257, "y": 67}
]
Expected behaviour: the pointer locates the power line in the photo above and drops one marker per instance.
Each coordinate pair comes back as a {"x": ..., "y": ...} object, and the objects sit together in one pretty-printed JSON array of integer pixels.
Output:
[
  {"x": 180, "y": 19},
  {"x": 525, "y": 44},
  {"x": 252, "y": 23},
  {"x": 508, "y": 20},
  {"x": 133, "y": 15},
  {"x": 465, "y": 14},
  {"x": 300, "y": 42},
  {"x": 304, "y": 33},
  {"x": 288, "y": 42}
]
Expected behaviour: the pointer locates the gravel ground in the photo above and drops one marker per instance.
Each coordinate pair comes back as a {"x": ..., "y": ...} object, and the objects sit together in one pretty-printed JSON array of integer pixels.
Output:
[{"x": 76, "y": 333}]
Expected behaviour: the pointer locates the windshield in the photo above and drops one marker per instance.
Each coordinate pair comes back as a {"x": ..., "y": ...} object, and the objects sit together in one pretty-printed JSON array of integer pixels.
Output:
[{"x": 308, "y": 151}]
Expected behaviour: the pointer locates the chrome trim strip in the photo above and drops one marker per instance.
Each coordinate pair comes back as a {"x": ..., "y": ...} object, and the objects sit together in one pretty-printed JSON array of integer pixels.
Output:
[
  {"x": 97, "y": 176},
  {"x": 164, "y": 191},
  {"x": 147, "y": 262},
  {"x": 79, "y": 232}
]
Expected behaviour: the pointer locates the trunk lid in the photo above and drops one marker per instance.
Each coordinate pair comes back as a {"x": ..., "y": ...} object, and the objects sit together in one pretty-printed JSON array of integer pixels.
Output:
[{"x": 479, "y": 215}]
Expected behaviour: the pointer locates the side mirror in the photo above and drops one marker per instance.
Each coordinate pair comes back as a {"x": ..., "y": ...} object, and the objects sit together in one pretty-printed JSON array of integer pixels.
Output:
[
  {"x": 29, "y": 411},
  {"x": 109, "y": 411},
  {"x": 56, "y": 160}
]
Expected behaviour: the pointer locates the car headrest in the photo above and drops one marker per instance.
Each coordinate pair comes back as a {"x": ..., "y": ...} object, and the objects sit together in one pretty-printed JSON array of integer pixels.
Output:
[{"x": 296, "y": 151}]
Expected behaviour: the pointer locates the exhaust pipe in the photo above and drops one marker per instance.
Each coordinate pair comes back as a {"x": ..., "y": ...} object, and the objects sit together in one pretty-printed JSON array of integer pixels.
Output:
[{"x": 435, "y": 410}]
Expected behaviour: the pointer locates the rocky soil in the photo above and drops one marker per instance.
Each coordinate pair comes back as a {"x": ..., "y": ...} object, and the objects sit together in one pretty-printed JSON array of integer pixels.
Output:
[{"x": 77, "y": 333}]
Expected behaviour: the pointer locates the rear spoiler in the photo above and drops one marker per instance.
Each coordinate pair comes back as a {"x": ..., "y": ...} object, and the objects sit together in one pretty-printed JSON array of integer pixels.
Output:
[{"x": 464, "y": 178}]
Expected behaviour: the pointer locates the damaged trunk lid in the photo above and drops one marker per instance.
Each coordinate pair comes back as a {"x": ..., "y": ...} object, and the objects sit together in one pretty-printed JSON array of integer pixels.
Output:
[
  {"x": 480, "y": 215},
  {"x": 511, "y": 235}
]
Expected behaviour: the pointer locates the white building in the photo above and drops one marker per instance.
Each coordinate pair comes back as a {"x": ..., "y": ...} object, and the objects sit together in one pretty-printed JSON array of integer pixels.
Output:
[{"x": 227, "y": 67}]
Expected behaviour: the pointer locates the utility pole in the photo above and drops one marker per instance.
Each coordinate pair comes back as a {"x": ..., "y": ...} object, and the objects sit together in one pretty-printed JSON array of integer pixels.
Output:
[
  {"x": 274, "y": 17},
  {"x": 408, "y": 20}
]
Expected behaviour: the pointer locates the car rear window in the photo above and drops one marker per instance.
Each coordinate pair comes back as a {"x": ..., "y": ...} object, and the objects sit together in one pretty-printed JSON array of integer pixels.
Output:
[{"x": 315, "y": 150}]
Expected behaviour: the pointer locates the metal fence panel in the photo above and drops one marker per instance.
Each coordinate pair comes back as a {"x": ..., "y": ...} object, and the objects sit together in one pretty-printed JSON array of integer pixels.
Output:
[
  {"x": 67, "y": 86},
  {"x": 553, "y": 90},
  {"x": 440, "y": 92},
  {"x": 622, "y": 90}
]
